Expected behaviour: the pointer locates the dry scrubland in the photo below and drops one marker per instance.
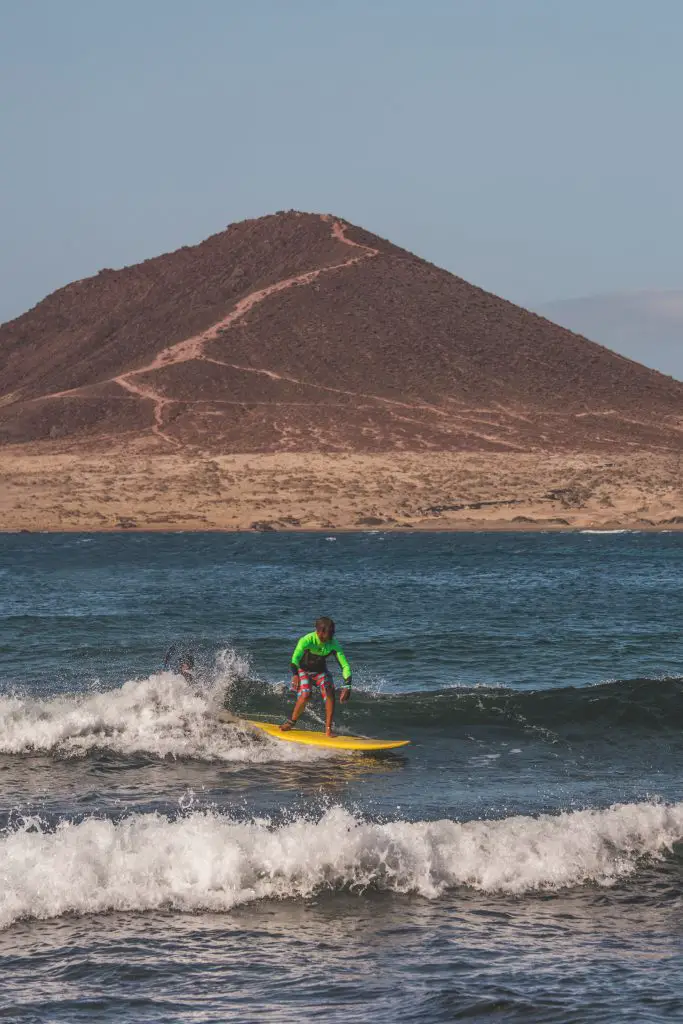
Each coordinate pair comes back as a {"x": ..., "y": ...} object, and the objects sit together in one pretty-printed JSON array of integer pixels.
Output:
[
  {"x": 130, "y": 490},
  {"x": 435, "y": 396}
]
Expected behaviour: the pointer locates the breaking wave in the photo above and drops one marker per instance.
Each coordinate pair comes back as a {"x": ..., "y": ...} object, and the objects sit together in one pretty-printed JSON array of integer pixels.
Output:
[
  {"x": 162, "y": 716},
  {"x": 210, "y": 862}
]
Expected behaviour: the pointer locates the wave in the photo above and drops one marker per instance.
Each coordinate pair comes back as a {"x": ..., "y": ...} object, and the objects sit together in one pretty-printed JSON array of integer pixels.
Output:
[
  {"x": 210, "y": 862},
  {"x": 610, "y": 531},
  {"x": 636, "y": 705},
  {"x": 162, "y": 716}
]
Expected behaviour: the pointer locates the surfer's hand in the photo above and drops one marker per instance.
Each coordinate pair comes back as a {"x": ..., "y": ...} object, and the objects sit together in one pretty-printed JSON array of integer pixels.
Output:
[
  {"x": 295, "y": 684},
  {"x": 345, "y": 694}
]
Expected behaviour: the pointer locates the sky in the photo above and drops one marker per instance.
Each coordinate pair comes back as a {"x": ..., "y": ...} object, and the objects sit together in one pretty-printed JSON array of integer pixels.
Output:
[
  {"x": 533, "y": 147},
  {"x": 646, "y": 326}
]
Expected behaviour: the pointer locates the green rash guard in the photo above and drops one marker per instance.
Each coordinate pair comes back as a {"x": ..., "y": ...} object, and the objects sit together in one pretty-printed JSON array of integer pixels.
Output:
[{"x": 310, "y": 654}]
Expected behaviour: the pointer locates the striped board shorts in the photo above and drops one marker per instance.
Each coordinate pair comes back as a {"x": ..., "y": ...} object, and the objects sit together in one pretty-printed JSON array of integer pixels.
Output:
[{"x": 323, "y": 680}]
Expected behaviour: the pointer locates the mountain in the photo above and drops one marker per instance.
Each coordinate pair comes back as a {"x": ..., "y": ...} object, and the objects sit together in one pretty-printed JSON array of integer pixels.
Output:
[
  {"x": 645, "y": 325},
  {"x": 301, "y": 332}
]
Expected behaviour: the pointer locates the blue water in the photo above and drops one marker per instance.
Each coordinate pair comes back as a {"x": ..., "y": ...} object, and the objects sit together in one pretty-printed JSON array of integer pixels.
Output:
[{"x": 520, "y": 861}]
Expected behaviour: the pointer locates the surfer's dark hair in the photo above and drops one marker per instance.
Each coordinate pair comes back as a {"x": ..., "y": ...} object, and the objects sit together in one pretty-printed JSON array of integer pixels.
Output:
[{"x": 325, "y": 623}]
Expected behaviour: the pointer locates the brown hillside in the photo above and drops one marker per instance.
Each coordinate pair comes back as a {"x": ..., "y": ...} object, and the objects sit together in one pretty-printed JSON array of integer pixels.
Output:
[{"x": 299, "y": 332}]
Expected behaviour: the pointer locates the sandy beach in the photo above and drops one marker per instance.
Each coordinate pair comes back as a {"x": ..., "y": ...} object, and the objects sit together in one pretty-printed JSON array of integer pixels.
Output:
[{"x": 128, "y": 489}]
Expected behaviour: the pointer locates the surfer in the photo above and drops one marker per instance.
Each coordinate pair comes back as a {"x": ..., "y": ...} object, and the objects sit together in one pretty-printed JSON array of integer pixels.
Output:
[
  {"x": 309, "y": 667},
  {"x": 184, "y": 661}
]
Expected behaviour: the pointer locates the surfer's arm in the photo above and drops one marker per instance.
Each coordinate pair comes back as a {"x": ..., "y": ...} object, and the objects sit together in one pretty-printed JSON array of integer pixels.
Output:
[
  {"x": 344, "y": 665},
  {"x": 298, "y": 654},
  {"x": 346, "y": 673}
]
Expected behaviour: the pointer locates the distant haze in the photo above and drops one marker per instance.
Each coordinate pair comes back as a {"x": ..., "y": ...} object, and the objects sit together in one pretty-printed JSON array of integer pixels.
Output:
[{"x": 646, "y": 326}]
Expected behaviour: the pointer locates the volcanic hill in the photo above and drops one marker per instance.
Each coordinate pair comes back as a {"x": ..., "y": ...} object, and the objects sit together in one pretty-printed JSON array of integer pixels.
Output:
[{"x": 298, "y": 332}]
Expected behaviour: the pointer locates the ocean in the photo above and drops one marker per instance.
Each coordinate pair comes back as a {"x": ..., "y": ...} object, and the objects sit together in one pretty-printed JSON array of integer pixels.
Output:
[{"x": 520, "y": 861}]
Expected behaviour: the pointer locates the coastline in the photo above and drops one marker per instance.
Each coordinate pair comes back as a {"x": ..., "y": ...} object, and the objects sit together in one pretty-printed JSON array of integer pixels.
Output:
[
  {"x": 493, "y": 526},
  {"x": 129, "y": 489}
]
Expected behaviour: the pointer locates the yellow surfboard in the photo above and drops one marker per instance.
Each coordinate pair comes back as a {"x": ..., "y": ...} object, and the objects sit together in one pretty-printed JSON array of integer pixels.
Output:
[{"x": 313, "y": 738}]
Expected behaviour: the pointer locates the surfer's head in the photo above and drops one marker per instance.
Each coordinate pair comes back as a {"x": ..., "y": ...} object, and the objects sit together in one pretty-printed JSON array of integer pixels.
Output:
[{"x": 324, "y": 627}]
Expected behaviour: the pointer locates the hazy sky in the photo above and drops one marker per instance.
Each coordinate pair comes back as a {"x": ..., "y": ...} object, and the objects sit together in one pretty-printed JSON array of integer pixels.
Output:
[
  {"x": 532, "y": 146},
  {"x": 645, "y": 326}
]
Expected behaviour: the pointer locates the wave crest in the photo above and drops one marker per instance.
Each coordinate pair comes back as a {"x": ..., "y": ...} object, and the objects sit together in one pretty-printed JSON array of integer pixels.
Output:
[
  {"x": 206, "y": 861},
  {"x": 161, "y": 715}
]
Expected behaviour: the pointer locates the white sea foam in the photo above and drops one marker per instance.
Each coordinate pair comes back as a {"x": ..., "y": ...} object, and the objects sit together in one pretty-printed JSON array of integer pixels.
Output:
[
  {"x": 162, "y": 715},
  {"x": 610, "y": 531},
  {"x": 205, "y": 861}
]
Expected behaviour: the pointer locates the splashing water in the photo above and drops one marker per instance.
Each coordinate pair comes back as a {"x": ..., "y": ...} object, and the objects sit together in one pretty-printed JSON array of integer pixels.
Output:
[
  {"x": 207, "y": 861},
  {"x": 162, "y": 715}
]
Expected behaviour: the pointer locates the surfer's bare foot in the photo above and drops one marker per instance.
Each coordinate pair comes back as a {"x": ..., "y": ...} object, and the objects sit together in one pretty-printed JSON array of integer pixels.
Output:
[
  {"x": 330, "y": 732},
  {"x": 287, "y": 725}
]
